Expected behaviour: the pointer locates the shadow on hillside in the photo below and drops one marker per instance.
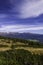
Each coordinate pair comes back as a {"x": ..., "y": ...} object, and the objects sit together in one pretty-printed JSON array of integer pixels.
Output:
[
  {"x": 33, "y": 46},
  {"x": 1, "y": 45}
]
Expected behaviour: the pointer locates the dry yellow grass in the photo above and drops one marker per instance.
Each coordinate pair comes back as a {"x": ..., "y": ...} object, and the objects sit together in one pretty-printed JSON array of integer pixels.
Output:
[
  {"x": 31, "y": 49},
  {"x": 4, "y": 49}
]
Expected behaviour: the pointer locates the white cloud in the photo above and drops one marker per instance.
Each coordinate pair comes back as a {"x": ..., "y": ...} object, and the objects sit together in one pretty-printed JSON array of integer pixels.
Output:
[
  {"x": 20, "y": 28},
  {"x": 31, "y": 8}
]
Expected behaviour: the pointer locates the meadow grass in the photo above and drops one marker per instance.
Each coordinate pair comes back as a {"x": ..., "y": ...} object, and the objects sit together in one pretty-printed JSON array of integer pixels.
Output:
[{"x": 6, "y": 45}]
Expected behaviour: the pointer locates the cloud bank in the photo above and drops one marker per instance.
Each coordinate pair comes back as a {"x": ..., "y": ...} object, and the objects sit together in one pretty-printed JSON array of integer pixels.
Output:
[
  {"x": 31, "y": 8},
  {"x": 22, "y": 8},
  {"x": 20, "y": 28}
]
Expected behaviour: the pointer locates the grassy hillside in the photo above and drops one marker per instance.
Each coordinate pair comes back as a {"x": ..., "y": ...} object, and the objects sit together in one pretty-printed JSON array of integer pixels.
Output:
[{"x": 20, "y": 52}]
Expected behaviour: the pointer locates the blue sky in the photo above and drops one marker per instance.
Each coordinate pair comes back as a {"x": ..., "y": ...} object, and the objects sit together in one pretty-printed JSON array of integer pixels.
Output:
[{"x": 21, "y": 16}]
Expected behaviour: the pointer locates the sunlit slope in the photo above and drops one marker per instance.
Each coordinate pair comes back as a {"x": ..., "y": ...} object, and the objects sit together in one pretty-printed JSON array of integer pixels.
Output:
[{"x": 9, "y": 43}]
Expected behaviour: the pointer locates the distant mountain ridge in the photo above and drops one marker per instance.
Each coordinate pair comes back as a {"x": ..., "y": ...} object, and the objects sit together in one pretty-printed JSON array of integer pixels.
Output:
[{"x": 31, "y": 36}]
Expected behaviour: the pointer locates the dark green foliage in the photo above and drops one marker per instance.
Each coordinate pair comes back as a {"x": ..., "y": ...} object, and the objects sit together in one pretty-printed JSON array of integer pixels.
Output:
[{"x": 20, "y": 57}]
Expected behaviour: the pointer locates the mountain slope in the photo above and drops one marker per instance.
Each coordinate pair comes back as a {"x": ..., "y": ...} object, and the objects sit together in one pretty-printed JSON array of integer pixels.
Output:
[{"x": 24, "y": 36}]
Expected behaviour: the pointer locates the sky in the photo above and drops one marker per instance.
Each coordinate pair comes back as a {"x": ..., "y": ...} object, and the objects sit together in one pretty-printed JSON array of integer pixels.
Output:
[{"x": 21, "y": 16}]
